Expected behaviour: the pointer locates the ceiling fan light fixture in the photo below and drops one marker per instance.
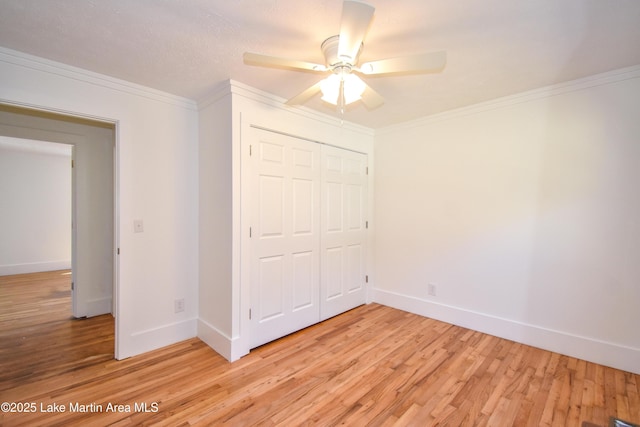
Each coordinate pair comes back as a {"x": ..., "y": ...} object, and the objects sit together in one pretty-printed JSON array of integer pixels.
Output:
[{"x": 346, "y": 86}]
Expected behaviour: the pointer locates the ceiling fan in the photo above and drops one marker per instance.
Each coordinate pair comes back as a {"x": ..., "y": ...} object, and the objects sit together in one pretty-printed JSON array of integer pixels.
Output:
[{"x": 341, "y": 54}]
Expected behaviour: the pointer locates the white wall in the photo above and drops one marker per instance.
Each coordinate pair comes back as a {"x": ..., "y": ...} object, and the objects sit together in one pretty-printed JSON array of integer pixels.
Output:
[
  {"x": 35, "y": 214},
  {"x": 157, "y": 182},
  {"x": 525, "y": 214},
  {"x": 216, "y": 224}
]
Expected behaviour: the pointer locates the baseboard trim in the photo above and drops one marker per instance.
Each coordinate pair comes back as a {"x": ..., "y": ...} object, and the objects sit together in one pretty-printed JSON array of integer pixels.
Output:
[
  {"x": 586, "y": 348},
  {"x": 141, "y": 342},
  {"x": 34, "y": 267},
  {"x": 215, "y": 339},
  {"x": 231, "y": 349}
]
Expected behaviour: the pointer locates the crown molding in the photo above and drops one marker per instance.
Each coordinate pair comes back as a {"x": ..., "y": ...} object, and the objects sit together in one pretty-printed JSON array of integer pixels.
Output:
[
  {"x": 601, "y": 79},
  {"x": 217, "y": 93},
  {"x": 237, "y": 88},
  {"x": 25, "y": 60}
]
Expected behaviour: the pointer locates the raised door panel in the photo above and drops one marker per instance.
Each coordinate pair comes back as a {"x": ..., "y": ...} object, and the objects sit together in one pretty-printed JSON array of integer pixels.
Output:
[
  {"x": 304, "y": 276},
  {"x": 333, "y": 280},
  {"x": 355, "y": 268},
  {"x": 271, "y": 206},
  {"x": 333, "y": 207},
  {"x": 272, "y": 288},
  {"x": 302, "y": 207}
]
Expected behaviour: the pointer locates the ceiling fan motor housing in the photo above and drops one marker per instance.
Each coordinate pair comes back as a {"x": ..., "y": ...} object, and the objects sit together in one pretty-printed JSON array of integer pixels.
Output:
[{"x": 333, "y": 60}]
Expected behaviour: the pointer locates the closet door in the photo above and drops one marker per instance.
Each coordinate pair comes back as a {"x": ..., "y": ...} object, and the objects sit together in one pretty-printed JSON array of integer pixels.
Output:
[
  {"x": 285, "y": 235},
  {"x": 343, "y": 238}
]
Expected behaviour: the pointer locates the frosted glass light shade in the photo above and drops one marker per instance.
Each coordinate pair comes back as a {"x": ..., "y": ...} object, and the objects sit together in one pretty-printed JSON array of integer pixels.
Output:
[
  {"x": 330, "y": 88},
  {"x": 352, "y": 88}
]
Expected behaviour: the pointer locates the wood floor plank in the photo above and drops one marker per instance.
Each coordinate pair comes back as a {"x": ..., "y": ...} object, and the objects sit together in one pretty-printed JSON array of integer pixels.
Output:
[{"x": 373, "y": 366}]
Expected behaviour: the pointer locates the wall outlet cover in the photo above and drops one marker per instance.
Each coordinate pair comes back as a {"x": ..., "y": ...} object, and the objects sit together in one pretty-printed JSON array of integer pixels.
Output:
[{"x": 178, "y": 305}]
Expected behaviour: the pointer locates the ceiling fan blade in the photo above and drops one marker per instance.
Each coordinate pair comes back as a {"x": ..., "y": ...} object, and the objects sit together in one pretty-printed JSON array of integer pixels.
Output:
[
  {"x": 274, "y": 61},
  {"x": 371, "y": 99},
  {"x": 425, "y": 63},
  {"x": 305, "y": 95},
  {"x": 356, "y": 17}
]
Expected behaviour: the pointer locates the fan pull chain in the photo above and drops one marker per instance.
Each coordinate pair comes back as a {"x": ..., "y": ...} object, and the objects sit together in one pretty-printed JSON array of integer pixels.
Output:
[{"x": 341, "y": 102}]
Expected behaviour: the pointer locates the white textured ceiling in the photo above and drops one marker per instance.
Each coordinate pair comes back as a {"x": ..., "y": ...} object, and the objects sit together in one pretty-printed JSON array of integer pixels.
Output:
[{"x": 189, "y": 47}]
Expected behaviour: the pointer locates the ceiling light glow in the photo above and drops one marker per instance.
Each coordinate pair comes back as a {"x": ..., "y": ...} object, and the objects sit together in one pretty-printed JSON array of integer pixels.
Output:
[{"x": 346, "y": 86}]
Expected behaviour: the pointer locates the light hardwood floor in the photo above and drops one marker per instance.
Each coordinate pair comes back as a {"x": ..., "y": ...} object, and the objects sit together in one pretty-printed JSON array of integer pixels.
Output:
[{"x": 371, "y": 366}]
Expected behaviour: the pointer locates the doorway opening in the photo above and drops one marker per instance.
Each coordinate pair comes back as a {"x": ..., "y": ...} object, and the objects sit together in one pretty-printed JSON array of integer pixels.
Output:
[{"x": 92, "y": 270}]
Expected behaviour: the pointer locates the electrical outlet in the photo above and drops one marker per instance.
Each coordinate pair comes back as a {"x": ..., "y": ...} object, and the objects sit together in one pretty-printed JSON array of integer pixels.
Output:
[
  {"x": 431, "y": 289},
  {"x": 178, "y": 305}
]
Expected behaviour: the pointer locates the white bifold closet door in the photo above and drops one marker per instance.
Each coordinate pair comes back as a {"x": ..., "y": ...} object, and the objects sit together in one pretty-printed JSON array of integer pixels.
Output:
[
  {"x": 307, "y": 233},
  {"x": 285, "y": 236}
]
